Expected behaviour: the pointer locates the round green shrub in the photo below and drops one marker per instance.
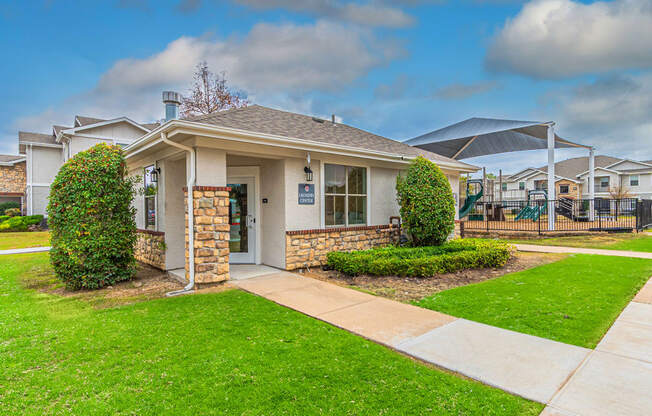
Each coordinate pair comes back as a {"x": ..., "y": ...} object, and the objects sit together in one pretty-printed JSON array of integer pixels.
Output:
[
  {"x": 92, "y": 220},
  {"x": 427, "y": 203}
]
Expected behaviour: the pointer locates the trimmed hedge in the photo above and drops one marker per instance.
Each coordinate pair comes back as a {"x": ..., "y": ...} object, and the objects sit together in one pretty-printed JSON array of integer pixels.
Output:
[
  {"x": 92, "y": 220},
  {"x": 427, "y": 203},
  {"x": 450, "y": 257},
  {"x": 18, "y": 223}
]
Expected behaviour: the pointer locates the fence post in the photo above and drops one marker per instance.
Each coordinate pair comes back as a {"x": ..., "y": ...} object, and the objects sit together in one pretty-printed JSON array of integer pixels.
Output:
[{"x": 539, "y": 223}]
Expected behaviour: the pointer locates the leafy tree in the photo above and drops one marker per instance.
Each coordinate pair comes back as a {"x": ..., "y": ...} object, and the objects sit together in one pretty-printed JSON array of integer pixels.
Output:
[
  {"x": 210, "y": 93},
  {"x": 92, "y": 220},
  {"x": 427, "y": 203}
]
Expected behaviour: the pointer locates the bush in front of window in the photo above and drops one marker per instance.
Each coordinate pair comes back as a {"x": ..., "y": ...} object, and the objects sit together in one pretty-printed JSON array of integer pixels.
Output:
[
  {"x": 91, "y": 218},
  {"x": 450, "y": 257},
  {"x": 427, "y": 203}
]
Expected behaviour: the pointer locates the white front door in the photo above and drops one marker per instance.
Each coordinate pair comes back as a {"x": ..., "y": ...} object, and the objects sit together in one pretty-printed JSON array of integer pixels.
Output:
[{"x": 242, "y": 219}]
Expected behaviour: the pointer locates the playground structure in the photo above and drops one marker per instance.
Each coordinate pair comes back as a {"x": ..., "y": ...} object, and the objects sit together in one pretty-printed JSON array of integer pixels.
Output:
[
  {"x": 484, "y": 136},
  {"x": 472, "y": 198},
  {"x": 535, "y": 206}
]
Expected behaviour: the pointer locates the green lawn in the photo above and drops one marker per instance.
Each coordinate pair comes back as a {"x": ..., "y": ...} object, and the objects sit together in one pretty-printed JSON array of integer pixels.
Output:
[
  {"x": 24, "y": 240},
  {"x": 620, "y": 241},
  {"x": 222, "y": 353},
  {"x": 574, "y": 300}
]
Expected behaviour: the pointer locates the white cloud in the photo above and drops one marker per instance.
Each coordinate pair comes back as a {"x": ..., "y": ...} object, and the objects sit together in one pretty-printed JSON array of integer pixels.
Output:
[
  {"x": 270, "y": 61},
  {"x": 560, "y": 38},
  {"x": 375, "y": 14},
  {"x": 612, "y": 113},
  {"x": 463, "y": 91}
]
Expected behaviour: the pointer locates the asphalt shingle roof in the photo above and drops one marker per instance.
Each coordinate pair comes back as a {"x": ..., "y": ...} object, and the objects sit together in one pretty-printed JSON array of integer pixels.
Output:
[
  {"x": 570, "y": 168},
  {"x": 84, "y": 121},
  {"x": 24, "y": 136},
  {"x": 10, "y": 158},
  {"x": 259, "y": 119}
]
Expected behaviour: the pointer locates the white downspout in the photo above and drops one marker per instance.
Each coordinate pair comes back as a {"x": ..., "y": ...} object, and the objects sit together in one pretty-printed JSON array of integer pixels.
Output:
[{"x": 191, "y": 217}]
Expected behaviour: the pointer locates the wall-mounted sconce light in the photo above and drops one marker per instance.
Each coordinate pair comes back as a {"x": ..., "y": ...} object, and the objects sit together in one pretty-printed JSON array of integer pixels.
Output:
[
  {"x": 308, "y": 173},
  {"x": 153, "y": 174},
  {"x": 307, "y": 169}
]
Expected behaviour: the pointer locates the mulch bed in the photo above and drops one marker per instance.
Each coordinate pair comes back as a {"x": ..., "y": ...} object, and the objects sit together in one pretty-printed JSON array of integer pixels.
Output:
[{"x": 406, "y": 289}]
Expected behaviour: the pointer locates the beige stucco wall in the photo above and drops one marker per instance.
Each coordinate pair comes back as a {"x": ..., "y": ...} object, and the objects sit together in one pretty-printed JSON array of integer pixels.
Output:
[
  {"x": 383, "y": 195},
  {"x": 173, "y": 212},
  {"x": 211, "y": 167},
  {"x": 301, "y": 217},
  {"x": 45, "y": 165}
]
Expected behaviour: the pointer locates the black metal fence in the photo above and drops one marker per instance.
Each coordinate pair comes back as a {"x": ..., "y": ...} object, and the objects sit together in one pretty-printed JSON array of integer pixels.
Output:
[
  {"x": 569, "y": 215},
  {"x": 644, "y": 214}
]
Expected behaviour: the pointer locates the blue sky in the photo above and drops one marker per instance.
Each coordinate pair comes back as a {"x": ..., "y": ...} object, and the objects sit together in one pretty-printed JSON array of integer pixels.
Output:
[{"x": 396, "y": 68}]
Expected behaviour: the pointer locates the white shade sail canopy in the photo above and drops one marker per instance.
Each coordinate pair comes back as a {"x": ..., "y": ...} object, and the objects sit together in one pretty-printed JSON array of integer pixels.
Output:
[{"x": 486, "y": 136}]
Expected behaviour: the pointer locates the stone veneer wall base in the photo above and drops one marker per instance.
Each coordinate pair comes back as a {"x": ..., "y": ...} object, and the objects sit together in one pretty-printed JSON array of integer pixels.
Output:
[
  {"x": 150, "y": 248},
  {"x": 211, "y": 234},
  {"x": 308, "y": 248}
]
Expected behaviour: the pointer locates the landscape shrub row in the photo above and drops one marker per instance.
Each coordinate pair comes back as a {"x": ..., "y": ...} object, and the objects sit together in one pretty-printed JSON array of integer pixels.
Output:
[
  {"x": 8, "y": 223},
  {"x": 422, "y": 261}
]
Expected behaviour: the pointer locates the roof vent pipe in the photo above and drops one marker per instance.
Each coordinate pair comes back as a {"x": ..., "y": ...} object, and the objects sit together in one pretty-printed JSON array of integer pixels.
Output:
[
  {"x": 172, "y": 101},
  {"x": 333, "y": 118}
]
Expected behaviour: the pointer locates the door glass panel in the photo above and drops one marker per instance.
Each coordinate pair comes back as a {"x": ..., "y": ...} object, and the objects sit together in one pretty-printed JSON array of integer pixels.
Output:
[{"x": 238, "y": 218}]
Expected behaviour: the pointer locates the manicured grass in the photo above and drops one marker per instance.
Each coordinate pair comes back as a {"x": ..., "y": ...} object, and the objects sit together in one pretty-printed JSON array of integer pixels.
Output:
[
  {"x": 222, "y": 353},
  {"x": 574, "y": 300},
  {"x": 10, "y": 240},
  {"x": 620, "y": 241}
]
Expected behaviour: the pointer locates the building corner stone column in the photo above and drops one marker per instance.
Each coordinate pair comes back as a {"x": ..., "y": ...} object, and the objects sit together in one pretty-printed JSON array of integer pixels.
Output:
[{"x": 211, "y": 234}]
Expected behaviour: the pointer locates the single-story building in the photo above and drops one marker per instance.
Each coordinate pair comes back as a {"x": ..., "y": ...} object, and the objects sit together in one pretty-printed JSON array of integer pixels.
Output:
[
  {"x": 265, "y": 187},
  {"x": 12, "y": 179}
]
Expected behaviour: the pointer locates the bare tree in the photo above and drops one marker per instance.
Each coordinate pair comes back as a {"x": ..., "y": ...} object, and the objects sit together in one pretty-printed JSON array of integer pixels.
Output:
[
  {"x": 210, "y": 93},
  {"x": 619, "y": 192}
]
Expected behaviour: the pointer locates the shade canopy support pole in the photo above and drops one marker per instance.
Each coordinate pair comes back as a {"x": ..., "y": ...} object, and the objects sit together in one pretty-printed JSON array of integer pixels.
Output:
[
  {"x": 551, "y": 177},
  {"x": 592, "y": 184}
]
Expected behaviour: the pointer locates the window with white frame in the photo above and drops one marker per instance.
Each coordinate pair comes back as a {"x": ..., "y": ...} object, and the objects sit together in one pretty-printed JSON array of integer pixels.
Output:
[
  {"x": 345, "y": 195},
  {"x": 521, "y": 186},
  {"x": 150, "y": 198},
  {"x": 633, "y": 180},
  {"x": 504, "y": 186}
]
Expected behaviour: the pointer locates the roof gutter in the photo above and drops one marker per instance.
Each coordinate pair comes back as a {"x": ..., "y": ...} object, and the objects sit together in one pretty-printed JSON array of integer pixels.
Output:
[{"x": 191, "y": 218}]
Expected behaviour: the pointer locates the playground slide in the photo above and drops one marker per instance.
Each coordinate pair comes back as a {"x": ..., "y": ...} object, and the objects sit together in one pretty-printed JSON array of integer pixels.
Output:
[
  {"x": 531, "y": 213},
  {"x": 469, "y": 204}
]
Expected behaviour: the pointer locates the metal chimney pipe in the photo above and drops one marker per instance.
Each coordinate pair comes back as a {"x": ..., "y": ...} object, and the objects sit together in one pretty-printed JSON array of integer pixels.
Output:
[
  {"x": 172, "y": 101},
  {"x": 333, "y": 118}
]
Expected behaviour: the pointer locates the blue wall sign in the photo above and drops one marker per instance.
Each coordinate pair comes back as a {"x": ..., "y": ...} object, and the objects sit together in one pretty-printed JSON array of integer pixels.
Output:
[{"x": 306, "y": 194}]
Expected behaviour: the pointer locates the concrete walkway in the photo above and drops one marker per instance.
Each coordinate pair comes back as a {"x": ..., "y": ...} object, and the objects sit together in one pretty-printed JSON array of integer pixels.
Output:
[
  {"x": 25, "y": 250},
  {"x": 531, "y": 367},
  {"x": 616, "y": 378},
  {"x": 578, "y": 250}
]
